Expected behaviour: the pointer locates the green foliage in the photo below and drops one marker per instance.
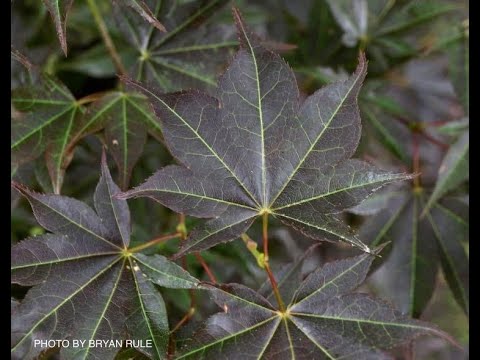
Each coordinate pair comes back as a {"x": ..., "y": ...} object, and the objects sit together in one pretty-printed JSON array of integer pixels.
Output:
[{"x": 357, "y": 143}]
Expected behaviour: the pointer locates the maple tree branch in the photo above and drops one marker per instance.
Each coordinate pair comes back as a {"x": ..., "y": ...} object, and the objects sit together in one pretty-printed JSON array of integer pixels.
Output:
[
  {"x": 91, "y": 98},
  {"x": 417, "y": 127},
  {"x": 106, "y": 37},
  {"x": 433, "y": 140},
  {"x": 153, "y": 242},
  {"x": 184, "y": 319},
  {"x": 207, "y": 270}
]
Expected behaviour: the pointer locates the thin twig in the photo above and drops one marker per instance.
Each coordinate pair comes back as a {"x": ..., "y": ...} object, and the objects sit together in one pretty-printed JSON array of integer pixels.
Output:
[
  {"x": 437, "y": 123},
  {"x": 276, "y": 292},
  {"x": 205, "y": 267},
  {"x": 153, "y": 242},
  {"x": 91, "y": 98},
  {"x": 418, "y": 128},
  {"x": 184, "y": 319},
  {"x": 434, "y": 141},
  {"x": 106, "y": 37}
]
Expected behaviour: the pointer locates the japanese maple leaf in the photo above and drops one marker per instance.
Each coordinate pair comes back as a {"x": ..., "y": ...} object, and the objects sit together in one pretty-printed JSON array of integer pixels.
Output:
[
  {"x": 255, "y": 150},
  {"x": 324, "y": 319},
  {"x": 190, "y": 54},
  {"x": 422, "y": 242},
  {"x": 88, "y": 284}
]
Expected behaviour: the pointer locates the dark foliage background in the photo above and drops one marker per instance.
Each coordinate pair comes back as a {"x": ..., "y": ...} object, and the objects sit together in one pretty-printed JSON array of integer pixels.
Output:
[{"x": 414, "y": 109}]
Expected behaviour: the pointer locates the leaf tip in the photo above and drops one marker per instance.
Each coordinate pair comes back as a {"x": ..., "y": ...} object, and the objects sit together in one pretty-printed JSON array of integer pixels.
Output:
[
  {"x": 63, "y": 45},
  {"x": 14, "y": 184},
  {"x": 125, "y": 78},
  {"x": 160, "y": 26},
  {"x": 242, "y": 31},
  {"x": 19, "y": 187},
  {"x": 104, "y": 170},
  {"x": 376, "y": 252},
  {"x": 237, "y": 16}
]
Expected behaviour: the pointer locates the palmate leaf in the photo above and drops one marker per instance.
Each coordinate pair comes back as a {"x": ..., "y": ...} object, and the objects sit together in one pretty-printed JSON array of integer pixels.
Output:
[
  {"x": 454, "y": 169},
  {"x": 382, "y": 27},
  {"x": 390, "y": 35},
  {"x": 50, "y": 121},
  {"x": 419, "y": 245},
  {"x": 126, "y": 117},
  {"x": 323, "y": 320},
  {"x": 87, "y": 285},
  {"x": 379, "y": 111},
  {"x": 256, "y": 150},
  {"x": 49, "y": 117},
  {"x": 189, "y": 55}
]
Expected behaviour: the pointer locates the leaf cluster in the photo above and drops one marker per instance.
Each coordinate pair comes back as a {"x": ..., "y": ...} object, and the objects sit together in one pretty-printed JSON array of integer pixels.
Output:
[{"x": 272, "y": 199}]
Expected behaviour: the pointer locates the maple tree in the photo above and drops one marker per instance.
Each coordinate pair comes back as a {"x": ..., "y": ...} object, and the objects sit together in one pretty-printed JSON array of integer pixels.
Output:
[{"x": 275, "y": 210}]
